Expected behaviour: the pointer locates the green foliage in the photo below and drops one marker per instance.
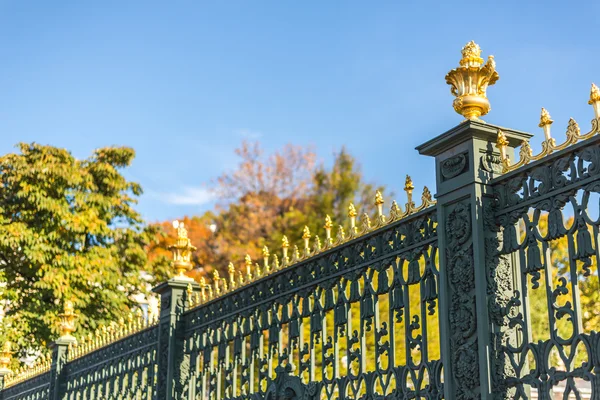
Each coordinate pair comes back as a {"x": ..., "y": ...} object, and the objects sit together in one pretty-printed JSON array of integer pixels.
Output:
[{"x": 68, "y": 231}]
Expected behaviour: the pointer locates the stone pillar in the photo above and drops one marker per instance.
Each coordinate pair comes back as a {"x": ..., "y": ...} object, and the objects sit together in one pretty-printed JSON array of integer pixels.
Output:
[
  {"x": 466, "y": 159},
  {"x": 173, "y": 302},
  {"x": 60, "y": 350}
]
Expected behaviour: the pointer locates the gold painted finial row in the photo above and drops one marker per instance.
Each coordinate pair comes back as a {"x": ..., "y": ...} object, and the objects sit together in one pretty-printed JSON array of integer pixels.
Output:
[
  {"x": 573, "y": 135},
  {"x": 103, "y": 336},
  {"x": 110, "y": 333},
  {"x": 252, "y": 271},
  {"x": 41, "y": 365}
]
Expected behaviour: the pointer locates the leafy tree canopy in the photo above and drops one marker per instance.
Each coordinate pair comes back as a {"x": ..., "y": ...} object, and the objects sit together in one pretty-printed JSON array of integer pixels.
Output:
[{"x": 68, "y": 231}]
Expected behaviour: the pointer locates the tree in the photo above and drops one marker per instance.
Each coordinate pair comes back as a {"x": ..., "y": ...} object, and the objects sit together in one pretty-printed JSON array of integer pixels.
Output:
[
  {"x": 68, "y": 231},
  {"x": 334, "y": 189},
  {"x": 264, "y": 198}
]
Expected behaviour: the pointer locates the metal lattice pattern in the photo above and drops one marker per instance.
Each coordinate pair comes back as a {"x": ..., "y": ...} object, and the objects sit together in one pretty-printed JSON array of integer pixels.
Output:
[
  {"x": 349, "y": 323},
  {"x": 36, "y": 388},
  {"x": 540, "y": 336},
  {"x": 123, "y": 370}
]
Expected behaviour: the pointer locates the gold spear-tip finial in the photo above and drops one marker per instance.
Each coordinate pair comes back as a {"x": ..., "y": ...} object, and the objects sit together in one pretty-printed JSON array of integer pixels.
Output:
[
  {"x": 248, "y": 263},
  {"x": 328, "y": 222},
  {"x": 469, "y": 82},
  {"x": 378, "y": 198},
  {"x": 352, "y": 211},
  {"x": 265, "y": 251},
  {"x": 284, "y": 242},
  {"x": 408, "y": 184},
  {"x": 545, "y": 118},
  {"x": 306, "y": 233},
  {"x": 502, "y": 143},
  {"x": 594, "y": 94}
]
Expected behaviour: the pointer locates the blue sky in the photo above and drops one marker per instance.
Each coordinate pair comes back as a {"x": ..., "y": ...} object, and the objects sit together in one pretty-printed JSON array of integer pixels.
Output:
[{"x": 184, "y": 82}]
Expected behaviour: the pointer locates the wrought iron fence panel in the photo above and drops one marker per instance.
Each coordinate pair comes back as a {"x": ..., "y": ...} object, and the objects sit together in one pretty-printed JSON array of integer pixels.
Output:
[
  {"x": 36, "y": 388},
  {"x": 351, "y": 322},
  {"x": 125, "y": 369},
  {"x": 545, "y": 224}
]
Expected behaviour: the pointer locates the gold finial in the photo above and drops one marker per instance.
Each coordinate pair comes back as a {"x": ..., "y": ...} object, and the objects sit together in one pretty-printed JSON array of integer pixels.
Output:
[
  {"x": 266, "y": 254},
  {"x": 502, "y": 144},
  {"x": 248, "y": 263},
  {"x": 306, "y": 238},
  {"x": 67, "y": 320},
  {"x": 545, "y": 122},
  {"x": 328, "y": 222},
  {"x": 469, "y": 82},
  {"x": 595, "y": 100},
  {"x": 182, "y": 251},
  {"x": 408, "y": 184},
  {"x": 408, "y": 188},
  {"x": 594, "y": 94},
  {"x": 352, "y": 214},
  {"x": 5, "y": 356},
  {"x": 285, "y": 244},
  {"x": 216, "y": 282},
  {"x": 379, "y": 204},
  {"x": 352, "y": 211},
  {"x": 327, "y": 226},
  {"x": 378, "y": 198},
  {"x": 306, "y": 233},
  {"x": 545, "y": 118},
  {"x": 231, "y": 270},
  {"x": 202, "y": 289}
]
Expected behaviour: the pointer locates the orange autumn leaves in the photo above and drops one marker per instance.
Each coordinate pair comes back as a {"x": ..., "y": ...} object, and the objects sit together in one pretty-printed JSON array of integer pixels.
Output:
[{"x": 266, "y": 196}]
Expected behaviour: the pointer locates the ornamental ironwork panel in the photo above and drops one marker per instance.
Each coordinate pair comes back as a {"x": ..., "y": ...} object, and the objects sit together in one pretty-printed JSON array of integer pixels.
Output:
[
  {"x": 36, "y": 388},
  {"x": 125, "y": 369},
  {"x": 543, "y": 252},
  {"x": 357, "y": 320}
]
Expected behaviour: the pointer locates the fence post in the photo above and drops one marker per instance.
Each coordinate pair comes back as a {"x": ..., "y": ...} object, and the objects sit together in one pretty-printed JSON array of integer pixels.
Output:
[
  {"x": 60, "y": 349},
  {"x": 466, "y": 158},
  {"x": 173, "y": 302}
]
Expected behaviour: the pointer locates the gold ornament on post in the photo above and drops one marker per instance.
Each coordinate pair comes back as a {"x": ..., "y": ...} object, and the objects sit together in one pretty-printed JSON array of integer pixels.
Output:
[
  {"x": 5, "y": 358},
  {"x": 469, "y": 82},
  {"x": 67, "y": 320},
  {"x": 182, "y": 251},
  {"x": 595, "y": 100}
]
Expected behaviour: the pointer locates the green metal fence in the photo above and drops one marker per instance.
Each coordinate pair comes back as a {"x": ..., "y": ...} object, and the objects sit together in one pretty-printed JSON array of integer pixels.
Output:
[{"x": 435, "y": 301}]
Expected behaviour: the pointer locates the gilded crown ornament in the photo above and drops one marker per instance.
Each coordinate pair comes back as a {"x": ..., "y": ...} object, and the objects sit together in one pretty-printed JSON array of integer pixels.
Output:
[
  {"x": 182, "y": 251},
  {"x": 5, "y": 356},
  {"x": 469, "y": 82},
  {"x": 67, "y": 320}
]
